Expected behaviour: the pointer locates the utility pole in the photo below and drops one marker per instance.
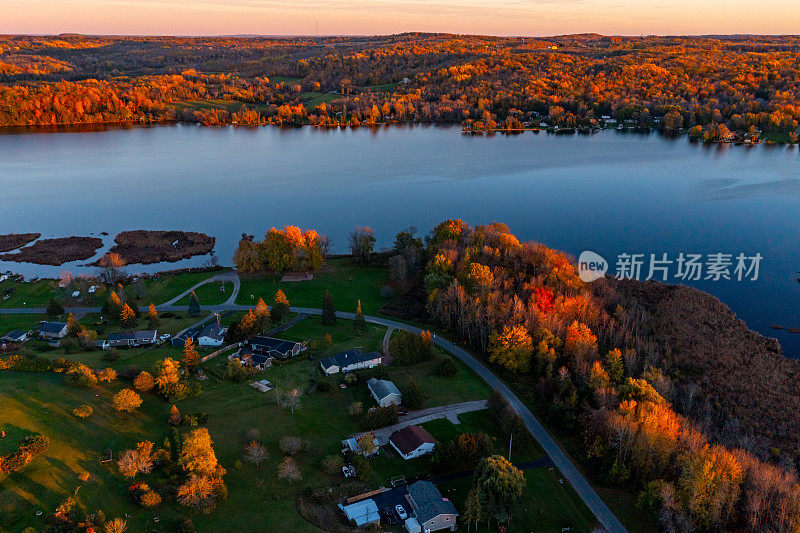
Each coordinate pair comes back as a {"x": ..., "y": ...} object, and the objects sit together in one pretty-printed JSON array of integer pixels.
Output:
[{"x": 510, "y": 440}]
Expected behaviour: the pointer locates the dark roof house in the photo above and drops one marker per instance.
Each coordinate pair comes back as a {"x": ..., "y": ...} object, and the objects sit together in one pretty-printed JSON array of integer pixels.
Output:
[
  {"x": 189, "y": 333},
  {"x": 412, "y": 441},
  {"x": 53, "y": 330},
  {"x": 277, "y": 348},
  {"x": 132, "y": 338},
  {"x": 15, "y": 336},
  {"x": 384, "y": 391},
  {"x": 350, "y": 360},
  {"x": 432, "y": 510}
]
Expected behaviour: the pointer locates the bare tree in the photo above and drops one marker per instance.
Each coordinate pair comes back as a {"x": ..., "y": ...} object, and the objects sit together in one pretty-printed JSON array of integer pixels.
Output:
[{"x": 255, "y": 453}]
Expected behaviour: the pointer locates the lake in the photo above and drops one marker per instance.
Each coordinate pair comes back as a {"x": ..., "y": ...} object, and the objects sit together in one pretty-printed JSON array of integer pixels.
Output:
[{"x": 610, "y": 193}]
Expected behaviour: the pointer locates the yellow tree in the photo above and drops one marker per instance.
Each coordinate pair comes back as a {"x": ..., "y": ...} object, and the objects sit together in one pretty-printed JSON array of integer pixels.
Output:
[
  {"x": 126, "y": 400},
  {"x": 190, "y": 356},
  {"x": 262, "y": 315},
  {"x": 512, "y": 348},
  {"x": 167, "y": 375},
  {"x": 197, "y": 454}
]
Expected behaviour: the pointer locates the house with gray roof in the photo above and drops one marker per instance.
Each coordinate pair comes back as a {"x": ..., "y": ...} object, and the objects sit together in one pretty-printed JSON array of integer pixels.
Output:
[
  {"x": 212, "y": 335},
  {"x": 53, "y": 330},
  {"x": 433, "y": 512},
  {"x": 15, "y": 336},
  {"x": 384, "y": 391},
  {"x": 350, "y": 360},
  {"x": 132, "y": 338}
]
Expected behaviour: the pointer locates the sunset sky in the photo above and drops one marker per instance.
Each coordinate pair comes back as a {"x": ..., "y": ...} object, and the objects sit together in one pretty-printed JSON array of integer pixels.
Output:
[{"x": 495, "y": 17}]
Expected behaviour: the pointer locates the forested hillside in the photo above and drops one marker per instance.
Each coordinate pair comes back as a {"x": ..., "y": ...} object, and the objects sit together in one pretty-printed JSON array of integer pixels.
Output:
[{"x": 717, "y": 89}]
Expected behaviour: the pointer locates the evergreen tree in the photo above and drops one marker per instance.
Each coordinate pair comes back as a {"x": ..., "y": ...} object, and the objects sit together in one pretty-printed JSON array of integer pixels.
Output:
[
  {"x": 54, "y": 308},
  {"x": 190, "y": 356},
  {"x": 359, "y": 324},
  {"x": 153, "y": 320},
  {"x": 281, "y": 307},
  {"x": 328, "y": 309},
  {"x": 127, "y": 318},
  {"x": 194, "y": 305}
]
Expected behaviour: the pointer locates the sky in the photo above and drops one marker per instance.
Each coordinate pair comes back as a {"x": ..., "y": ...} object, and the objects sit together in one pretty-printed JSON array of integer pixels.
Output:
[{"x": 371, "y": 17}]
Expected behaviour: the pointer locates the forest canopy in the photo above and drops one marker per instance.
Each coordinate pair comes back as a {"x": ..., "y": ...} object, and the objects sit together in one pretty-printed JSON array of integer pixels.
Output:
[{"x": 717, "y": 89}]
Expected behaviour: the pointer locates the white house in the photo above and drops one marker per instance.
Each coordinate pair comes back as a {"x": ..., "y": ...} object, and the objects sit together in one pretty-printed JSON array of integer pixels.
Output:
[
  {"x": 412, "y": 442},
  {"x": 384, "y": 391},
  {"x": 350, "y": 360},
  {"x": 211, "y": 335}
]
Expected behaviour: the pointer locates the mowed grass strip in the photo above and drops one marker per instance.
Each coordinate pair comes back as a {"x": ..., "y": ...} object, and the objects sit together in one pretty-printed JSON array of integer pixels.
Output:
[{"x": 348, "y": 282}]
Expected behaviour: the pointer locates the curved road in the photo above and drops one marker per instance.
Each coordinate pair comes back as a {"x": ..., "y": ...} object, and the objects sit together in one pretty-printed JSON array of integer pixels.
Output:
[{"x": 582, "y": 487}]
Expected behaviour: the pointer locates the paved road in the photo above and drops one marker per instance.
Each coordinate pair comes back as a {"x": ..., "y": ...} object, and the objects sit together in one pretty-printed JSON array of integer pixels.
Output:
[
  {"x": 581, "y": 485},
  {"x": 229, "y": 276},
  {"x": 449, "y": 412}
]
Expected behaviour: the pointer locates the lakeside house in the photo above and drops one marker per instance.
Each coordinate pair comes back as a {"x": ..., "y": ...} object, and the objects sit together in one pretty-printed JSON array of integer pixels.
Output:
[
  {"x": 212, "y": 335},
  {"x": 131, "y": 338},
  {"x": 350, "y": 360},
  {"x": 53, "y": 330},
  {"x": 412, "y": 442},
  {"x": 15, "y": 336},
  {"x": 384, "y": 391}
]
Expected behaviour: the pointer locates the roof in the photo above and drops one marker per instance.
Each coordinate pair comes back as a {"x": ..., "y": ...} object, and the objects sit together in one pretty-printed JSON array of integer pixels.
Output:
[
  {"x": 428, "y": 501},
  {"x": 328, "y": 362},
  {"x": 363, "y": 512},
  {"x": 268, "y": 344},
  {"x": 52, "y": 327},
  {"x": 410, "y": 438},
  {"x": 180, "y": 340},
  {"x": 354, "y": 356},
  {"x": 382, "y": 388},
  {"x": 14, "y": 335},
  {"x": 132, "y": 335},
  {"x": 213, "y": 331}
]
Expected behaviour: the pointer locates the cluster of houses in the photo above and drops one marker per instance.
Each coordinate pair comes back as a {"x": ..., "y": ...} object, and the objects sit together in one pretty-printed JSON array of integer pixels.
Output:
[{"x": 46, "y": 330}]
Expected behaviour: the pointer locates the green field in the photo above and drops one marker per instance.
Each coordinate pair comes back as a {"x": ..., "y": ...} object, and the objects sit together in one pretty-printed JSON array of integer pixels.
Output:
[
  {"x": 34, "y": 294},
  {"x": 212, "y": 293},
  {"x": 347, "y": 282},
  {"x": 169, "y": 286},
  {"x": 25, "y": 322}
]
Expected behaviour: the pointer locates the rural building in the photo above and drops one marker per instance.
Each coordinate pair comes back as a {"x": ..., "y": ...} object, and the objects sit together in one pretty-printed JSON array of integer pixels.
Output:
[
  {"x": 362, "y": 514},
  {"x": 15, "y": 336},
  {"x": 384, "y": 391},
  {"x": 259, "y": 352},
  {"x": 212, "y": 335},
  {"x": 350, "y": 360},
  {"x": 412, "y": 441},
  {"x": 53, "y": 330},
  {"x": 189, "y": 333},
  {"x": 433, "y": 512},
  {"x": 362, "y": 444},
  {"x": 132, "y": 338}
]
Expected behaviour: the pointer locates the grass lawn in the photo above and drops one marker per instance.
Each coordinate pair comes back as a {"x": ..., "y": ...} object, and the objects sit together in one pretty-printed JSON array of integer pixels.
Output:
[
  {"x": 212, "y": 293},
  {"x": 169, "y": 286},
  {"x": 25, "y": 322},
  {"x": 547, "y": 505},
  {"x": 348, "y": 282},
  {"x": 34, "y": 294},
  {"x": 313, "y": 99}
]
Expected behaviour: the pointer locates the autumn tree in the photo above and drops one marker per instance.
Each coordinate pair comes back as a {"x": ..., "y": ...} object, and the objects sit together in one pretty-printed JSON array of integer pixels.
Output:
[
  {"x": 191, "y": 358},
  {"x": 175, "y": 417},
  {"x": 137, "y": 460},
  {"x": 111, "y": 268},
  {"x": 512, "y": 348},
  {"x": 500, "y": 485},
  {"x": 262, "y": 316},
  {"x": 153, "y": 320},
  {"x": 167, "y": 375},
  {"x": 126, "y": 400},
  {"x": 144, "y": 381},
  {"x": 281, "y": 307},
  {"x": 197, "y": 454},
  {"x": 127, "y": 317}
]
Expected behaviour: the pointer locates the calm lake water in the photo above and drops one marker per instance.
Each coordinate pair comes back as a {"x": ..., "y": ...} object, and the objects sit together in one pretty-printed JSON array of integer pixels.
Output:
[{"x": 611, "y": 193}]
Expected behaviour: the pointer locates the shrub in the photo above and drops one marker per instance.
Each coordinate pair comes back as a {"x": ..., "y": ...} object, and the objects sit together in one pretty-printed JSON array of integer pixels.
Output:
[
  {"x": 446, "y": 367},
  {"x": 84, "y": 411},
  {"x": 290, "y": 445},
  {"x": 413, "y": 395},
  {"x": 379, "y": 417},
  {"x": 150, "y": 499},
  {"x": 110, "y": 355},
  {"x": 332, "y": 464},
  {"x": 409, "y": 348},
  {"x": 81, "y": 375}
]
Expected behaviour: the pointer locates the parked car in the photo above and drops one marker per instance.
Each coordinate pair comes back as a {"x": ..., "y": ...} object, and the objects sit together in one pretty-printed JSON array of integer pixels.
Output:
[
  {"x": 401, "y": 512},
  {"x": 402, "y": 411}
]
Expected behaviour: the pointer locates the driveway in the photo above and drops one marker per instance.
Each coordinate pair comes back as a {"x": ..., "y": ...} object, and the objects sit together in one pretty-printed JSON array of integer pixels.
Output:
[{"x": 449, "y": 412}]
